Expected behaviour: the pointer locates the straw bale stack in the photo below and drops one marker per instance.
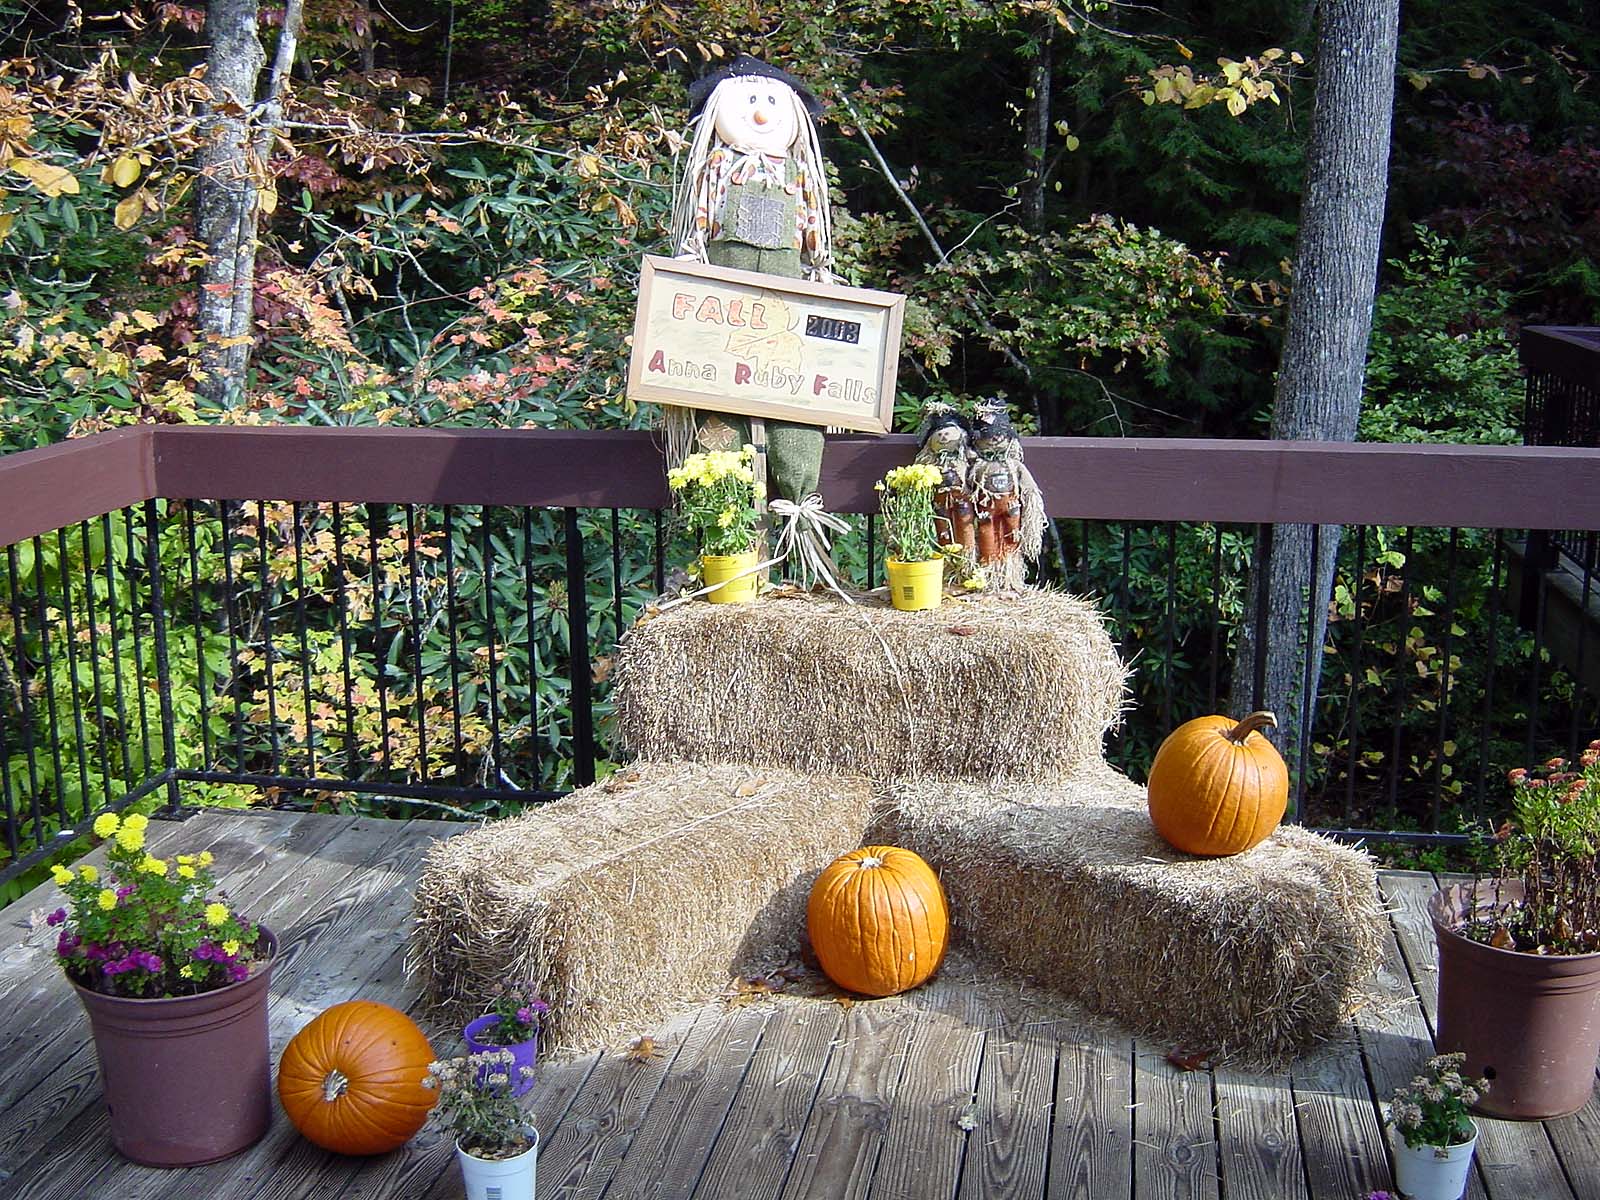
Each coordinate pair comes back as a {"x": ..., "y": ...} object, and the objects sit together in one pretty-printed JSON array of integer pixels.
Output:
[
  {"x": 1256, "y": 956},
  {"x": 624, "y": 901},
  {"x": 985, "y": 688}
]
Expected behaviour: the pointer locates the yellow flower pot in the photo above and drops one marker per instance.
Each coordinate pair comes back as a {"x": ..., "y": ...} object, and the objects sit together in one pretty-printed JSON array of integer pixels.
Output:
[
  {"x": 916, "y": 585},
  {"x": 721, "y": 569}
]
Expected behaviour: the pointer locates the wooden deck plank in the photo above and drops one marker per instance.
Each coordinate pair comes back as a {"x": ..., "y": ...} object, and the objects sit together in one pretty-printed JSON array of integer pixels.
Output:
[
  {"x": 1260, "y": 1145},
  {"x": 752, "y": 1158},
  {"x": 839, "y": 1149},
  {"x": 922, "y": 1151},
  {"x": 1091, "y": 1134},
  {"x": 341, "y": 879},
  {"x": 63, "y": 1070},
  {"x": 1395, "y": 1037},
  {"x": 1008, "y": 1150},
  {"x": 675, "y": 1137},
  {"x": 1340, "y": 1137},
  {"x": 606, "y": 1113},
  {"x": 1174, "y": 1136},
  {"x": 1516, "y": 1158}
]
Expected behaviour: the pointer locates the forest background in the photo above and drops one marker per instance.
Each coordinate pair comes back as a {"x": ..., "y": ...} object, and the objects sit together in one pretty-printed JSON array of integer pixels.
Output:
[{"x": 1091, "y": 209}]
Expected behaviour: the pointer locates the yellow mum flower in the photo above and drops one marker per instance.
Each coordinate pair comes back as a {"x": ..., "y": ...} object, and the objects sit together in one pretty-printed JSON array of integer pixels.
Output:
[
  {"x": 130, "y": 839},
  {"x": 136, "y": 821},
  {"x": 185, "y": 859},
  {"x": 187, "y": 970},
  {"x": 107, "y": 899},
  {"x": 216, "y": 913},
  {"x": 89, "y": 873},
  {"x": 205, "y": 858},
  {"x": 153, "y": 865},
  {"x": 106, "y": 824},
  {"x": 230, "y": 947},
  {"x": 61, "y": 875},
  {"x": 185, "y": 871},
  {"x": 725, "y": 518}
]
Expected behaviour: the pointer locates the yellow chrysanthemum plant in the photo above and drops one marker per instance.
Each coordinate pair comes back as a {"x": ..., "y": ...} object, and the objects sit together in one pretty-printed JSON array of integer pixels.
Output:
[
  {"x": 146, "y": 927},
  {"x": 716, "y": 495},
  {"x": 914, "y": 549}
]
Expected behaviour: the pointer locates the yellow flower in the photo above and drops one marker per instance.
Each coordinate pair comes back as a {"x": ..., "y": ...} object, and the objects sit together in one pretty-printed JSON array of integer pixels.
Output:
[
  {"x": 62, "y": 876},
  {"x": 187, "y": 970},
  {"x": 90, "y": 875},
  {"x": 216, "y": 913},
  {"x": 977, "y": 581},
  {"x": 230, "y": 947},
  {"x": 205, "y": 858},
  {"x": 136, "y": 821},
  {"x": 185, "y": 871},
  {"x": 725, "y": 518},
  {"x": 130, "y": 839},
  {"x": 185, "y": 859},
  {"x": 153, "y": 865},
  {"x": 106, "y": 824},
  {"x": 107, "y": 899}
]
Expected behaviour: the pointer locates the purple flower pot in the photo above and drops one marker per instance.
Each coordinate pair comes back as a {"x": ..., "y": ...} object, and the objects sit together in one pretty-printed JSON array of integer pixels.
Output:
[{"x": 526, "y": 1053}]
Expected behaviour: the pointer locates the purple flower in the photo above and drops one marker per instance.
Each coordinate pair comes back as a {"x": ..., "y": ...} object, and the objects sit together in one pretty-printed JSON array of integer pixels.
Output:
[
  {"x": 540, "y": 1007},
  {"x": 95, "y": 952},
  {"x": 525, "y": 1015},
  {"x": 67, "y": 943},
  {"x": 123, "y": 892},
  {"x": 205, "y": 951},
  {"x": 239, "y": 972},
  {"x": 147, "y": 961},
  {"x": 56, "y": 917}
]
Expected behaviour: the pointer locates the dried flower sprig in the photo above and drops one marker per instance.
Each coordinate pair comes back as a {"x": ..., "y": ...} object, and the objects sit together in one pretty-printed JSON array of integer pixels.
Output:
[
  {"x": 476, "y": 1102},
  {"x": 1431, "y": 1110}
]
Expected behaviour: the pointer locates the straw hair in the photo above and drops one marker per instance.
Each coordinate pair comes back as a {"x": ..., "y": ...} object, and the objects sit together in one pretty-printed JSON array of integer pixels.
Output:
[
  {"x": 1255, "y": 957},
  {"x": 990, "y": 688},
  {"x": 625, "y": 901}
]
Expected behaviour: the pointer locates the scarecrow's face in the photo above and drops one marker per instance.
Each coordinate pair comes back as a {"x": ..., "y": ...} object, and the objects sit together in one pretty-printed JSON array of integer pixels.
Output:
[{"x": 757, "y": 114}]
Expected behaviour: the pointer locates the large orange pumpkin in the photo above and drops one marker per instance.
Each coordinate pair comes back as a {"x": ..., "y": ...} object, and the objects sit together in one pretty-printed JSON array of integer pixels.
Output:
[
  {"x": 878, "y": 920},
  {"x": 1218, "y": 786},
  {"x": 351, "y": 1080}
]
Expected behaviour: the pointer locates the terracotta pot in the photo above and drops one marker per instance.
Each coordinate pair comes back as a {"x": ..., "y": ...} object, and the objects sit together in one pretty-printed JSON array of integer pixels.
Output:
[
  {"x": 525, "y": 1053},
  {"x": 1529, "y": 1023},
  {"x": 187, "y": 1080}
]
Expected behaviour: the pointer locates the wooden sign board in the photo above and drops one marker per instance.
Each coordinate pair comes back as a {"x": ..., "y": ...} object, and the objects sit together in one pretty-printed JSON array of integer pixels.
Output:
[{"x": 760, "y": 345}]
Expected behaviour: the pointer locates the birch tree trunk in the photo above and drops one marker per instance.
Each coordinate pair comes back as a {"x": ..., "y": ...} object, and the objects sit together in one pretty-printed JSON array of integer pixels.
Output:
[
  {"x": 1323, "y": 368},
  {"x": 232, "y": 175}
]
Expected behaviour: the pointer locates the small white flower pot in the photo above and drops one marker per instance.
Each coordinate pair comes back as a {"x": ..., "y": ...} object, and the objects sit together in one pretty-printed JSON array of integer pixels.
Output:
[
  {"x": 1433, "y": 1172},
  {"x": 503, "y": 1178}
]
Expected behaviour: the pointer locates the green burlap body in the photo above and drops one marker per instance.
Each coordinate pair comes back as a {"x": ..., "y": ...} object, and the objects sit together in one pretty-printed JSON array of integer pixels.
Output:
[{"x": 794, "y": 452}]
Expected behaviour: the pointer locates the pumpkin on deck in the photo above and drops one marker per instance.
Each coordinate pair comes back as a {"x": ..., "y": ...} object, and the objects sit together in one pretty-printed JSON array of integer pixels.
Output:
[
  {"x": 1218, "y": 786},
  {"x": 878, "y": 920},
  {"x": 351, "y": 1080}
]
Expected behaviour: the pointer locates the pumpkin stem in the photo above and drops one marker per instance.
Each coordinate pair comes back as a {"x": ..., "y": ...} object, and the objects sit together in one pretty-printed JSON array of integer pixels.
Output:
[
  {"x": 1254, "y": 723},
  {"x": 334, "y": 1085},
  {"x": 870, "y": 860}
]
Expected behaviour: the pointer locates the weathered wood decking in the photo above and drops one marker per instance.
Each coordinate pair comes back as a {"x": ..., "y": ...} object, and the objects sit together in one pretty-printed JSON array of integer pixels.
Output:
[{"x": 924, "y": 1096}]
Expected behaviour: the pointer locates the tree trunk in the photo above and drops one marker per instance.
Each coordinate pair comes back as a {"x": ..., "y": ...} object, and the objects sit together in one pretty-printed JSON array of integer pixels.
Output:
[
  {"x": 232, "y": 172},
  {"x": 1321, "y": 374},
  {"x": 1036, "y": 130}
]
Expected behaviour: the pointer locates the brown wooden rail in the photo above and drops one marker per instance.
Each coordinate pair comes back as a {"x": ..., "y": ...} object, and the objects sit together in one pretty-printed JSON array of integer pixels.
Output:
[{"x": 1508, "y": 487}]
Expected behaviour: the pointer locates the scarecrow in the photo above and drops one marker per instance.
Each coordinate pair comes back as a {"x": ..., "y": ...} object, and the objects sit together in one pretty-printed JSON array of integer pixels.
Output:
[
  {"x": 754, "y": 197},
  {"x": 944, "y": 441},
  {"x": 1007, "y": 502}
]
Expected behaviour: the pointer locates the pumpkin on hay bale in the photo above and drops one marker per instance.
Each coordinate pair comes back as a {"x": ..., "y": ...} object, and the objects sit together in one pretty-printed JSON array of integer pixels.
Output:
[
  {"x": 626, "y": 900},
  {"x": 1218, "y": 786},
  {"x": 987, "y": 687},
  {"x": 878, "y": 921},
  {"x": 1255, "y": 957}
]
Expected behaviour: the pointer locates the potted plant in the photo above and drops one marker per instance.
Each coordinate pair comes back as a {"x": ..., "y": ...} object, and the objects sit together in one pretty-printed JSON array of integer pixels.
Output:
[
  {"x": 1519, "y": 953},
  {"x": 1436, "y": 1135},
  {"x": 911, "y": 536},
  {"x": 716, "y": 492},
  {"x": 512, "y": 1023},
  {"x": 175, "y": 986},
  {"x": 496, "y": 1146}
]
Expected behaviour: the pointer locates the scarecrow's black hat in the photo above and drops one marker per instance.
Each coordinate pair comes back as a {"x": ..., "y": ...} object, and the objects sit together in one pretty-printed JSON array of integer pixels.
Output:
[
  {"x": 991, "y": 422},
  {"x": 742, "y": 67},
  {"x": 937, "y": 415}
]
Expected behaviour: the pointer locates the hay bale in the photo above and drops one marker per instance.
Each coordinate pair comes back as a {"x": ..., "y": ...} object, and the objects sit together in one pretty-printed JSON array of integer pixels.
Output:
[
  {"x": 1256, "y": 956},
  {"x": 985, "y": 688},
  {"x": 625, "y": 900}
]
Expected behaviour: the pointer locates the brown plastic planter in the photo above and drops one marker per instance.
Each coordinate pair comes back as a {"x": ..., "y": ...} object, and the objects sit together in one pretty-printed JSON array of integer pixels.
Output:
[
  {"x": 188, "y": 1080},
  {"x": 1530, "y": 1023}
]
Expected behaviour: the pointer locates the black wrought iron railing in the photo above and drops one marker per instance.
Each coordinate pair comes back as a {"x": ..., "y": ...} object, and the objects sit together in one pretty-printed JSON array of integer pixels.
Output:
[
  {"x": 1562, "y": 408},
  {"x": 424, "y": 620}
]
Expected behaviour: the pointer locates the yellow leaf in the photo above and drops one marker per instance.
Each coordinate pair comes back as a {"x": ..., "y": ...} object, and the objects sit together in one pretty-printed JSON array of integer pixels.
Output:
[
  {"x": 5, "y": 225},
  {"x": 1072, "y": 142},
  {"x": 52, "y": 181},
  {"x": 267, "y": 197},
  {"x": 129, "y": 209},
  {"x": 125, "y": 170},
  {"x": 1231, "y": 71},
  {"x": 1237, "y": 103},
  {"x": 1417, "y": 81},
  {"x": 1185, "y": 51}
]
